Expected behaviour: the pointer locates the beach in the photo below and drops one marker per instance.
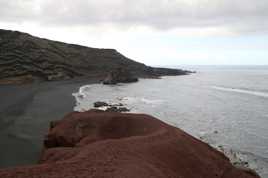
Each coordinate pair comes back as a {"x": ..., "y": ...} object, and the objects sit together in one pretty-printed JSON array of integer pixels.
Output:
[{"x": 25, "y": 114}]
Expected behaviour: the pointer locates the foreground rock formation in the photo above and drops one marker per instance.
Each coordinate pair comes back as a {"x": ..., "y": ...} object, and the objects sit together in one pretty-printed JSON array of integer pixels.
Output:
[
  {"x": 25, "y": 58},
  {"x": 106, "y": 144}
]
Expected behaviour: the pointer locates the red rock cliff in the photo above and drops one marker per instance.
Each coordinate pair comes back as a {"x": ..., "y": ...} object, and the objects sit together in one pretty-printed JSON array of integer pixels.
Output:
[{"x": 98, "y": 144}]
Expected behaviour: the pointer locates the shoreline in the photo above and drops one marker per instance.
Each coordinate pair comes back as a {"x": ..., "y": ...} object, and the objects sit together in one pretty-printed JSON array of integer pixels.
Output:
[
  {"x": 25, "y": 105},
  {"x": 41, "y": 90},
  {"x": 38, "y": 103}
]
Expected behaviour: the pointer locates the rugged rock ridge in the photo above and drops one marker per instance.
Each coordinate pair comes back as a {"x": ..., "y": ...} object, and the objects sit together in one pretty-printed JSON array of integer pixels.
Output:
[
  {"x": 106, "y": 144},
  {"x": 23, "y": 56}
]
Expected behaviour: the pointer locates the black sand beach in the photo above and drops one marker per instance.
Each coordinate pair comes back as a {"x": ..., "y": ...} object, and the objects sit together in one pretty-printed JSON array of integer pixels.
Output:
[{"x": 25, "y": 113}]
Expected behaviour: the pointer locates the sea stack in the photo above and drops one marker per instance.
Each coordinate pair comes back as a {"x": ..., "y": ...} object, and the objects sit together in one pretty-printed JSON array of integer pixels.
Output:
[{"x": 108, "y": 144}]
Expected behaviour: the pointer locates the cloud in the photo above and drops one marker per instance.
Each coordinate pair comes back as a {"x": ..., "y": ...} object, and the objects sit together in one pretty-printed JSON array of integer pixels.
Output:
[{"x": 240, "y": 16}]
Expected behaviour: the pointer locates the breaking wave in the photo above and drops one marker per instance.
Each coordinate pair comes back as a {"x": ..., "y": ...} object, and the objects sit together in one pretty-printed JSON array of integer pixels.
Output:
[{"x": 244, "y": 91}]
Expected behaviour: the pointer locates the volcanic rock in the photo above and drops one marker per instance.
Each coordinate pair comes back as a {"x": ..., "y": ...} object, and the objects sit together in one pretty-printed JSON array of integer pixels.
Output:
[
  {"x": 100, "y": 104},
  {"x": 117, "y": 109},
  {"x": 114, "y": 107},
  {"x": 106, "y": 144},
  {"x": 120, "y": 75}
]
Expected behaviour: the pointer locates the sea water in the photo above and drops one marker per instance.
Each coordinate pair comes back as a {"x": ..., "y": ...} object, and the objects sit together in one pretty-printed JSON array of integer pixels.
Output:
[{"x": 225, "y": 106}]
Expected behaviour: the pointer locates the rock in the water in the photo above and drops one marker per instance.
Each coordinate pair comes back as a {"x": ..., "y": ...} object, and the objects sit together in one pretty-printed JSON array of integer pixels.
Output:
[
  {"x": 117, "y": 109},
  {"x": 123, "y": 109},
  {"x": 120, "y": 75},
  {"x": 108, "y": 144},
  {"x": 100, "y": 104}
]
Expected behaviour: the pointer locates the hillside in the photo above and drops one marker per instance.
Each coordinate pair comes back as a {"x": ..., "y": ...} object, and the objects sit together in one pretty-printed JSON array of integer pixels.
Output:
[{"x": 24, "y": 57}]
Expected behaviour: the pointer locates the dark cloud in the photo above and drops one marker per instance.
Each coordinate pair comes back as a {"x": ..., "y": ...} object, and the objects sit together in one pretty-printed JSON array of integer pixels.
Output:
[{"x": 237, "y": 15}]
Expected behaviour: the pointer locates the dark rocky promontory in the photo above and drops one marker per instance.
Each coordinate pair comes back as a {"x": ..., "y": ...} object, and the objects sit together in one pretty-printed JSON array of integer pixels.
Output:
[
  {"x": 108, "y": 144},
  {"x": 119, "y": 75},
  {"x": 25, "y": 58}
]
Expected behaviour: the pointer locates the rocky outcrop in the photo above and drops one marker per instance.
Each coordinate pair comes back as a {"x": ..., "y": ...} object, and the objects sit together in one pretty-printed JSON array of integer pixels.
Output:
[
  {"x": 115, "y": 107},
  {"x": 25, "y": 56},
  {"x": 99, "y": 104},
  {"x": 119, "y": 75},
  {"x": 106, "y": 144}
]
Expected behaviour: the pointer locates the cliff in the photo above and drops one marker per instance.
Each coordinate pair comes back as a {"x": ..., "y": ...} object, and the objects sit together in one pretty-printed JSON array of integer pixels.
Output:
[
  {"x": 27, "y": 58},
  {"x": 107, "y": 144}
]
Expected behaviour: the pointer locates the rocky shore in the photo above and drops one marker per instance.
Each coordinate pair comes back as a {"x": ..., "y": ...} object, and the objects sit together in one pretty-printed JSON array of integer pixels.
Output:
[
  {"x": 111, "y": 144},
  {"x": 110, "y": 107}
]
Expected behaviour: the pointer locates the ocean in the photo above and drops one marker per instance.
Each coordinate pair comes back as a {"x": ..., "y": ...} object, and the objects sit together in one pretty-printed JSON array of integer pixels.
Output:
[{"x": 225, "y": 106}]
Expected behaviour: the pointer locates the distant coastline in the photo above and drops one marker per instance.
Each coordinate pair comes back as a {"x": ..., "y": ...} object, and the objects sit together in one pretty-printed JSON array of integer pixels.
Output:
[{"x": 27, "y": 59}]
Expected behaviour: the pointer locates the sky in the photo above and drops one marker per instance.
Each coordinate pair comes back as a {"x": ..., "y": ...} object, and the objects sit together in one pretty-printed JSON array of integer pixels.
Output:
[{"x": 155, "y": 32}]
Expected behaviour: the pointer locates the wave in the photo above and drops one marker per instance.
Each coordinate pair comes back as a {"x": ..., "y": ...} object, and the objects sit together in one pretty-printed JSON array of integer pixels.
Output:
[
  {"x": 131, "y": 100},
  {"x": 244, "y": 91}
]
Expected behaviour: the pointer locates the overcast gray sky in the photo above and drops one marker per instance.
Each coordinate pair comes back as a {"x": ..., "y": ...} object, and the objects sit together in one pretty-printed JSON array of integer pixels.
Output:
[{"x": 156, "y": 32}]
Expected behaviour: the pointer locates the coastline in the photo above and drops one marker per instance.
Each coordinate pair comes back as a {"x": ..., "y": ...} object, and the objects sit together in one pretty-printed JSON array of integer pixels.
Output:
[
  {"x": 36, "y": 103},
  {"x": 40, "y": 92}
]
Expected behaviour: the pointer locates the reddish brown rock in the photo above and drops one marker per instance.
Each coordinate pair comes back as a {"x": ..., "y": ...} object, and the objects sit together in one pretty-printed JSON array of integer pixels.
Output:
[{"x": 97, "y": 144}]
